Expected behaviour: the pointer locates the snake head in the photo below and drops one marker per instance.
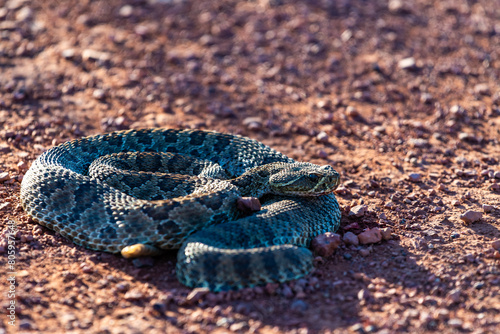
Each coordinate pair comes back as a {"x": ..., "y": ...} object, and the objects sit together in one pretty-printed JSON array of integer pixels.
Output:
[{"x": 303, "y": 179}]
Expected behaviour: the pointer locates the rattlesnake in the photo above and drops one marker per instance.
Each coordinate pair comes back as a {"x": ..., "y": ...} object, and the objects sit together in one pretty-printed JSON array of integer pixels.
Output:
[{"x": 75, "y": 189}]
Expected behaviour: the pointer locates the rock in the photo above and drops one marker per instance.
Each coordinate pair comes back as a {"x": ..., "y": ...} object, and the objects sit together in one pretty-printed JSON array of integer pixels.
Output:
[
  {"x": 478, "y": 285},
  {"x": 322, "y": 137},
  {"x": 454, "y": 295},
  {"x": 487, "y": 207},
  {"x": 286, "y": 291},
  {"x": 299, "y": 306},
  {"x": 350, "y": 239},
  {"x": 370, "y": 236},
  {"x": 407, "y": 63},
  {"x": 482, "y": 89},
  {"x": 415, "y": 177},
  {"x": 126, "y": 11},
  {"x": 22, "y": 166},
  {"x": 471, "y": 216},
  {"x": 426, "y": 98},
  {"x": 386, "y": 233},
  {"x": 470, "y": 258},
  {"x": 323, "y": 104},
  {"x": 496, "y": 175},
  {"x": 253, "y": 123},
  {"x": 196, "y": 295},
  {"x": 364, "y": 252},
  {"x": 133, "y": 295},
  {"x": 99, "y": 94},
  {"x": 322, "y": 154},
  {"x": 325, "y": 244},
  {"x": 496, "y": 244},
  {"x": 68, "y": 53},
  {"x": 89, "y": 54},
  {"x": 358, "y": 210},
  {"x": 494, "y": 187},
  {"x": 4, "y": 176},
  {"x": 352, "y": 112},
  {"x": 4, "y": 149},
  {"x": 351, "y": 226},
  {"x": 247, "y": 205},
  {"x": 24, "y": 14},
  {"x": 468, "y": 137},
  {"x": 418, "y": 142}
]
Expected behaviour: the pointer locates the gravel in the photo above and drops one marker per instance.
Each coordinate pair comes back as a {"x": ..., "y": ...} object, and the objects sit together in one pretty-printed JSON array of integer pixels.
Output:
[{"x": 286, "y": 74}]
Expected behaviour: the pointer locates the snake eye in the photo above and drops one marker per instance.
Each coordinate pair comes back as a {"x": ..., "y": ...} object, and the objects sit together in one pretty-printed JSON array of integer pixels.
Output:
[{"x": 313, "y": 177}]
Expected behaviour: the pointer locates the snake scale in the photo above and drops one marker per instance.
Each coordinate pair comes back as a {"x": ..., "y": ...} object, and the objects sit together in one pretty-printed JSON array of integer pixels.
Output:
[{"x": 138, "y": 191}]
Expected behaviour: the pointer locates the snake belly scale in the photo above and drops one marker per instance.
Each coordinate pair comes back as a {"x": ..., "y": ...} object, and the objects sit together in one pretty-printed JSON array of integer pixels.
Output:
[{"x": 170, "y": 189}]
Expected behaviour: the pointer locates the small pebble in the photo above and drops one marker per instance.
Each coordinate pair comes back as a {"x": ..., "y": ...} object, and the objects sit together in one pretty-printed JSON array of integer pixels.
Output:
[
  {"x": 299, "y": 306},
  {"x": 133, "y": 295},
  {"x": 253, "y": 123},
  {"x": 322, "y": 154},
  {"x": 471, "y": 216},
  {"x": 68, "y": 53},
  {"x": 496, "y": 175},
  {"x": 347, "y": 256},
  {"x": 126, "y": 11},
  {"x": 25, "y": 325},
  {"x": 415, "y": 177},
  {"x": 24, "y": 14},
  {"x": 4, "y": 176},
  {"x": 487, "y": 207},
  {"x": 482, "y": 89},
  {"x": 494, "y": 187},
  {"x": 495, "y": 244},
  {"x": 468, "y": 137},
  {"x": 99, "y": 94},
  {"x": 478, "y": 285},
  {"x": 322, "y": 137},
  {"x": 454, "y": 295},
  {"x": 248, "y": 205},
  {"x": 350, "y": 239},
  {"x": 325, "y": 244},
  {"x": 455, "y": 323},
  {"x": 89, "y": 54},
  {"x": 418, "y": 142},
  {"x": 352, "y": 112},
  {"x": 426, "y": 98},
  {"x": 386, "y": 233},
  {"x": 197, "y": 294},
  {"x": 358, "y": 210},
  {"x": 370, "y": 236},
  {"x": 22, "y": 166},
  {"x": 4, "y": 149},
  {"x": 286, "y": 291},
  {"x": 407, "y": 63},
  {"x": 364, "y": 252}
]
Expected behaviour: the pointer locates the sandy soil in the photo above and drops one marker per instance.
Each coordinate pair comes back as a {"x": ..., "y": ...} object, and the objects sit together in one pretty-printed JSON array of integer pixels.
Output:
[{"x": 402, "y": 98}]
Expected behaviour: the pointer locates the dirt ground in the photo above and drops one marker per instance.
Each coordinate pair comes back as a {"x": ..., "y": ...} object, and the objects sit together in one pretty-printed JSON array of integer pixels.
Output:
[{"x": 400, "y": 97}]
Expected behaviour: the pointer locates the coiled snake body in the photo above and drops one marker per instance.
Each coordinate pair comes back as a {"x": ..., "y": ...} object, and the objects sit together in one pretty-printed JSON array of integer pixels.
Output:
[{"x": 138, "y": 191}]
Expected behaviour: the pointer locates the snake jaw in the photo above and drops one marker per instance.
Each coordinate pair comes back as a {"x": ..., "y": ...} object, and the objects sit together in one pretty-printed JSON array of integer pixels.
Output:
[{"x": 304, "y": 179}]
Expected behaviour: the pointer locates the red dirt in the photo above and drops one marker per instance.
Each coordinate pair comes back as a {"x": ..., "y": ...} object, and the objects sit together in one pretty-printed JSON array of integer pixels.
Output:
[{"x": 321, "y": 81}]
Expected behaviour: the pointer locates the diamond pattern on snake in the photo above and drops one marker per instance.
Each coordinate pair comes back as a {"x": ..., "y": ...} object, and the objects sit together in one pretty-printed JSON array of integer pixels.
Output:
[{"x": 136, "y": 192}]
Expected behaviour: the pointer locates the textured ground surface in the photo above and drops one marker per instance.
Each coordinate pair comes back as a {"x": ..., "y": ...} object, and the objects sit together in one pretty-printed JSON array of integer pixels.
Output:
[{"x": 401, "y": 98}]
